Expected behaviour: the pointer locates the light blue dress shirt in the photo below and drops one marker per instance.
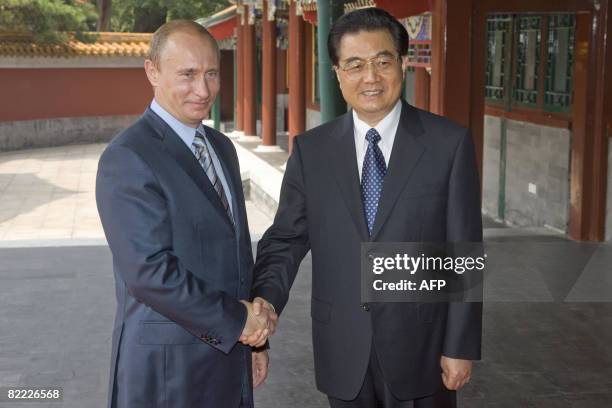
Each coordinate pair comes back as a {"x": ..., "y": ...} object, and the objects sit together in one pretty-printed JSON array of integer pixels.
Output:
[{"x": 187, "y": 135}]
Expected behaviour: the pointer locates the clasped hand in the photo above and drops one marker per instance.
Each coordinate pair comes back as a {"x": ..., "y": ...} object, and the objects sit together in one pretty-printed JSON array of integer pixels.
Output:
[{"x": 260, "y": 324}]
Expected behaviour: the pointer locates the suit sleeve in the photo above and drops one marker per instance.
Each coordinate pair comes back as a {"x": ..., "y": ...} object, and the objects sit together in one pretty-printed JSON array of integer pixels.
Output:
[
  {"x": 464, "y": 224},
  {"x": 286, "y": 242},
  {"x": 136, "y": 222}
]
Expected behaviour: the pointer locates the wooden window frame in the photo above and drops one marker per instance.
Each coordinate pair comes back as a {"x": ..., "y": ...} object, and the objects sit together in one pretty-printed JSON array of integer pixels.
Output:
[{"x": 539, "y": 114}]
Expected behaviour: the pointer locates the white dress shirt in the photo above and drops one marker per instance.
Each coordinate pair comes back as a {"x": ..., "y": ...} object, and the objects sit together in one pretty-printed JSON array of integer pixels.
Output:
[{"x": 386, "y": 128}]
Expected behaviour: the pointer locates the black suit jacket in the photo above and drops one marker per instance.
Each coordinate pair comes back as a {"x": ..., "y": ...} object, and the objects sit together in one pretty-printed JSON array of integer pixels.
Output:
[
  {"x": 430, "y": 194},
  {"x": 180, "y": 269}
]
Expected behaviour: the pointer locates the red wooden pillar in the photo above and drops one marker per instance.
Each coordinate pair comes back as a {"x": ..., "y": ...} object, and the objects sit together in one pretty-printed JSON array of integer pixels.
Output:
[
  {"x": 249, "y": 70},
  {"x": 438, "y": 66},
  {"x": 239, "y": 71},
  {"x": 421, "y": 88},
  {"x": 297, "y": 73},
  {"x": 268, "y": 116},
  {"x": 589, "y": 161},
  {"x": 453, "y": 86}
]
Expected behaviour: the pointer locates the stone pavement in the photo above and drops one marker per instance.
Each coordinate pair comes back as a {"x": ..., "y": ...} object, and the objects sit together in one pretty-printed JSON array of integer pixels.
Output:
[
  {"x": 47, "y": 197},
  {"x": 57, "y": 300},
  {"x": 49, "y": 193}
]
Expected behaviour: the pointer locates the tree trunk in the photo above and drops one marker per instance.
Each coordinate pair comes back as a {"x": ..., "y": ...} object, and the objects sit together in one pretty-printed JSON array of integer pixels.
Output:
[
  {"x": 104, "y": 15},
  {"x": 147, "y": 21}
]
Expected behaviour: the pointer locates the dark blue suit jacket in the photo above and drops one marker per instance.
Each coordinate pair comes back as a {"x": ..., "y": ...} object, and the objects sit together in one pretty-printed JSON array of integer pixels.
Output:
[
  {"x": 430, "y": 194},
  {"x": 180, "y": 269}
]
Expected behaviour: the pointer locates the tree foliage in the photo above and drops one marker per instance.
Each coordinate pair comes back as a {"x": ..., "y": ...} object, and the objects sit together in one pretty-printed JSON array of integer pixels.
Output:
[
  {"x": 48, "y": 20},
  {"x": 147, "y": 15},
  {"x": 51, "y": 21}
]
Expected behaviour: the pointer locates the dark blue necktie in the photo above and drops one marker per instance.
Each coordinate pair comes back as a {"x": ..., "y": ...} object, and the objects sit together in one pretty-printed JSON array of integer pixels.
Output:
[{"x": 372, "y": 177}]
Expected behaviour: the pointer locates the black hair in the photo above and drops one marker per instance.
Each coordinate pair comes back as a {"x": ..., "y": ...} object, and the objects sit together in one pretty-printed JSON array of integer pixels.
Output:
[{"x": 366, "y": 19}]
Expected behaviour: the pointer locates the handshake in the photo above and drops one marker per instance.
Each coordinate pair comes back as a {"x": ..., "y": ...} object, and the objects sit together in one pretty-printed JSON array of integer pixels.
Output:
[{"x": 261, "y": 322}]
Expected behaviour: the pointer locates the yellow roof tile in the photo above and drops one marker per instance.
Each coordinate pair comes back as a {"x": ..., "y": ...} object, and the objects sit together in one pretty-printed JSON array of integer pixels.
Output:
[{"x": 106, "y": 45}]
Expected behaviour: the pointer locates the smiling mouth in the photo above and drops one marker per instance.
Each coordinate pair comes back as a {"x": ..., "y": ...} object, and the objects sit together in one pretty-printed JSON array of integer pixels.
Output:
[
  {"x": 198, "y": 103},
  {"x": 375, "y": 92}
]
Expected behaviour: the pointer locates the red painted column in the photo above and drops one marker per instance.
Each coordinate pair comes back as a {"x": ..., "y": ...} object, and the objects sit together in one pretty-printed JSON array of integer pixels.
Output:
[
  {"x": 249, "y": 70},
  {"x": 455, "y": 90},
  {"x": 268, "y": 116},
  {"x": 297, "y": 73},
  {"x": 239, "y": 72}
]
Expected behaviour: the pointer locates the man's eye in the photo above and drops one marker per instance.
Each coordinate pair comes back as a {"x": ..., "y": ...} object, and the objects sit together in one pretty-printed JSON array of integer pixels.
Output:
[
  {"x": 212, "y": 74},
  {"x": 354, "y": 67},
  {"x": 187, "y": 74},
  {"x": 383, "y": 64}
]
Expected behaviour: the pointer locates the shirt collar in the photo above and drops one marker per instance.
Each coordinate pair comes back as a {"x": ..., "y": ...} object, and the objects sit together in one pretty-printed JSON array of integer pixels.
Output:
[
  {"x": 384, "y": 127},
  {"x": 185, "y": 132}
]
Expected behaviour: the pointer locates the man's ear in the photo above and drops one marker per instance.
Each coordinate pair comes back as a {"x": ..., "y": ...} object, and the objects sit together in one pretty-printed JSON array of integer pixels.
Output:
[
  {"x": 152, "y": 72},
  {"x": 338, "y": 78},
  {"x": 404, "y": 66},
  {"x": 336, "y": 74}
]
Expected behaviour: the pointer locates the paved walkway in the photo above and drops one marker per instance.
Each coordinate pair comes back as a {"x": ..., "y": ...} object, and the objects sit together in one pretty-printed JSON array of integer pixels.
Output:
[
  {"x": 47, "y": 197},
  {"x": 57, "y": 299}
]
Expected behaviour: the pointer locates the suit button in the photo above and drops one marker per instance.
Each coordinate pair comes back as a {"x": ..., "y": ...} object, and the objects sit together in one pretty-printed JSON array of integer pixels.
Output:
[
  {"x": 370, "y": 256},
  {"x": 365, "y": 307},
  {"x": 242, "y": 281}
]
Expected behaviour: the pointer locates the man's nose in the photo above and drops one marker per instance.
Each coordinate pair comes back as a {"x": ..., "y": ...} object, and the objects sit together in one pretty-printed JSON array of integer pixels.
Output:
[
  {"x": 370, "y": 73},
  {"x": 201, "y": 88}
]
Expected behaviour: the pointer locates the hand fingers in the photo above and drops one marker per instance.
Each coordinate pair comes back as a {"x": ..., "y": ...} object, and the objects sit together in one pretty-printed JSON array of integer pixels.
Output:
[
  {"x": 262, "y": 339},
  {"x": 445, "y": 380},
  {"x": 249, "y": 339},
  {"x": 449, "y": 384},
  {"x": 258, "y": 338},
  {"x": 256, "y": 374},
  {"x": 272, "y": 322},
  {"x": 257, "y": 380},
  {"x": 256, "y": 308},
  {"x": 454, "y": 382},
  {"x": 261, "y": 374},
  {"x": 253, "y": 338}
]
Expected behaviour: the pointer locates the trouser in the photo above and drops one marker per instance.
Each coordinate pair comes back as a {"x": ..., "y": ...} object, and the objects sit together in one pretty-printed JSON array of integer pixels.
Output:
[{"x": 375, "y": 393}]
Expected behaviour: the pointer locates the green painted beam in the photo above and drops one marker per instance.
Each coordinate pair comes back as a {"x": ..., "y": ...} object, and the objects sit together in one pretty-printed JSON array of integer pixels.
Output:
[
  {"x": 331, "y": 102},
  {"x": 216, "y": 112}
]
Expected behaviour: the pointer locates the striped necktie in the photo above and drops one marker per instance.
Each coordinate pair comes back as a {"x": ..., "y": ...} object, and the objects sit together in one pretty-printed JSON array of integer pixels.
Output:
[{"x": 201, "y": 152}]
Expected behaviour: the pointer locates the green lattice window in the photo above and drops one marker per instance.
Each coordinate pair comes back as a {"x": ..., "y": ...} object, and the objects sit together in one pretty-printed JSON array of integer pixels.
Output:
[
  {"x": 530, "y": 60},
  {"x": 529, "y": 43},
  {"x": 560, "y": 56},
  {"x": 498, "y": 40}
]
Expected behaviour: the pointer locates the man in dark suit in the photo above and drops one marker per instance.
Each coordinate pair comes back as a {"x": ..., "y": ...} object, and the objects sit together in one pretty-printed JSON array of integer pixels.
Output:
[
  {"x": 170, "y": 199},
  {"x": 384, "y": 172}
]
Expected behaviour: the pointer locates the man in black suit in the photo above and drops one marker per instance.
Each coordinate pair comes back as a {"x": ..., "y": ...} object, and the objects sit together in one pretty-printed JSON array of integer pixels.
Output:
[
  {"x": 383, "y": 172},
  {"x": 170, "y": 199}
]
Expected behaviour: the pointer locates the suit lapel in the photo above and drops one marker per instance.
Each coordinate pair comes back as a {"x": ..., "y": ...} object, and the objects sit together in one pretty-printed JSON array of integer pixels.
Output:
[
  {"x": 343, "y": 159},
  {"x": 233, "y": 179},
  {"x": 173, "y": 144},
  {"x": 405, "y": 155}
]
